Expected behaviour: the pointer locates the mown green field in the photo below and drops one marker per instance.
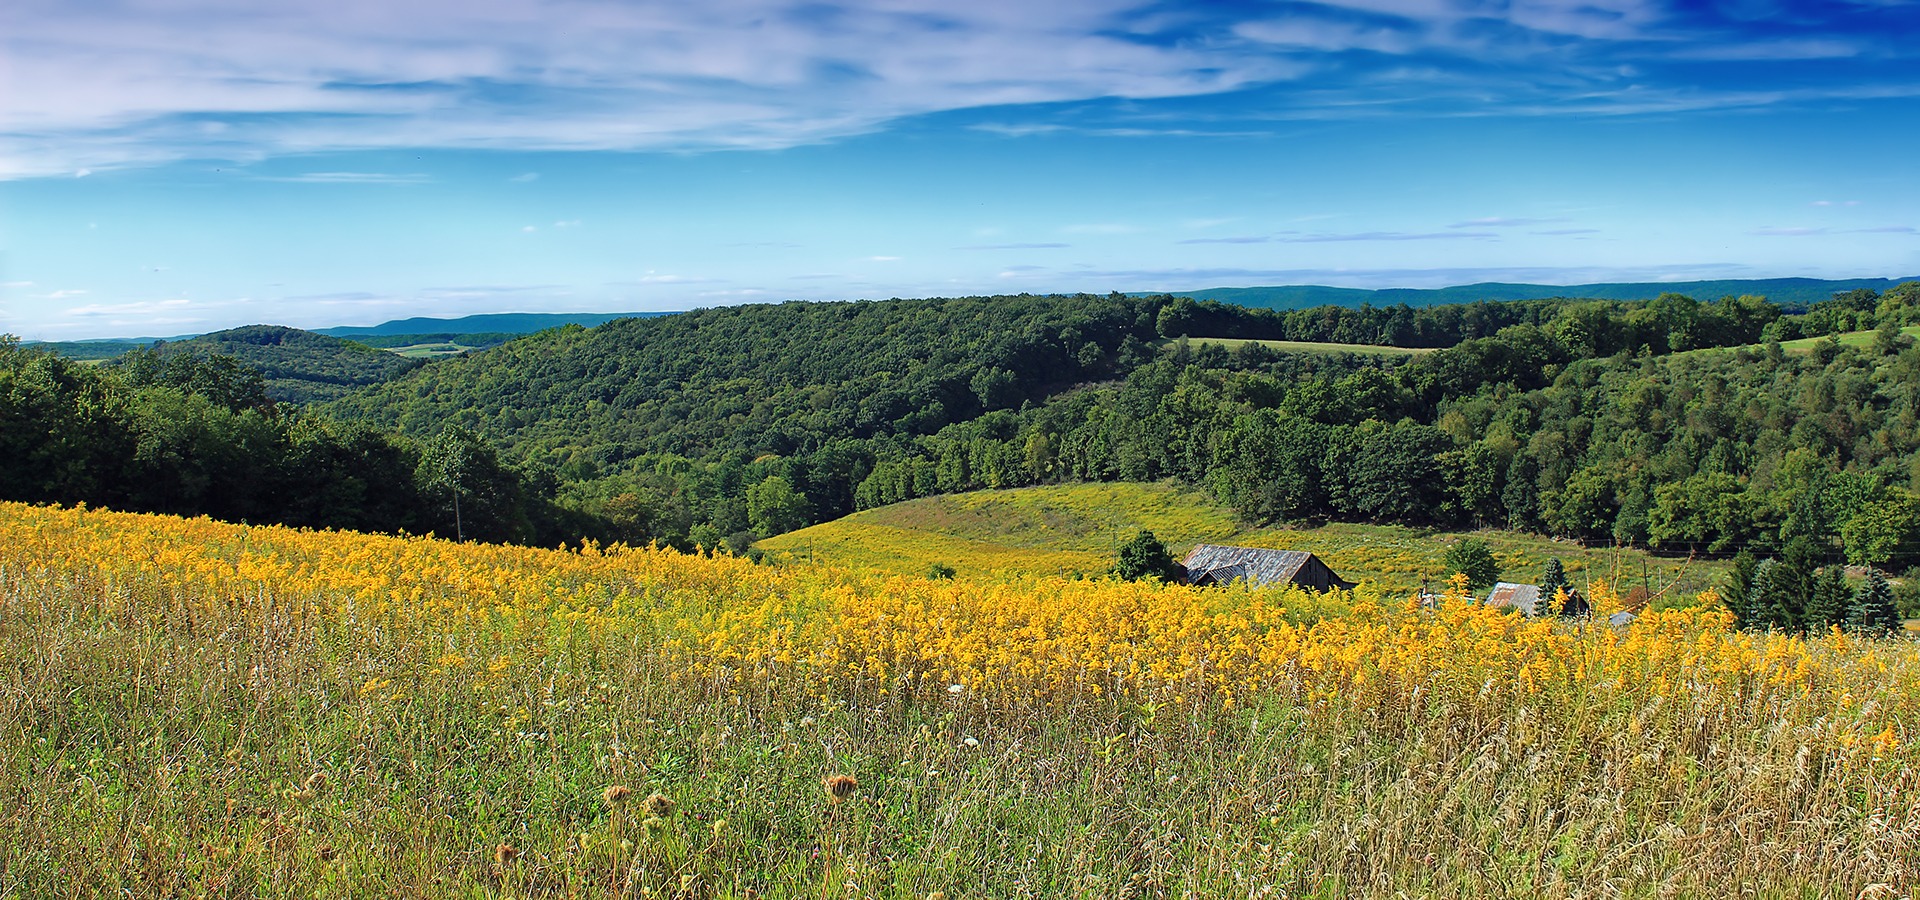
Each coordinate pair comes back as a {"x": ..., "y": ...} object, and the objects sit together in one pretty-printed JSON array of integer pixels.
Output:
[
  {"x": 1077, "y": 529},
  {"x": 1849, "y": 339},
  {"x": 1313, "y": 347},
  {"x": 429, "y": 351}
]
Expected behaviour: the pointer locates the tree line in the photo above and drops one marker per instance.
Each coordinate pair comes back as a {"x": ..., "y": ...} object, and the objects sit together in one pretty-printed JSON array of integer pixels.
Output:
[{"x": 196, "y": 434}]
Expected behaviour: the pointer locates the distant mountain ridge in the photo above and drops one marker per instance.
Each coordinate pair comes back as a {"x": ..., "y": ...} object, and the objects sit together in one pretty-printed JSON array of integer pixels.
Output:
[
  {"x": 1787, "y": 292},
  {"x": 509, "y": 323}
]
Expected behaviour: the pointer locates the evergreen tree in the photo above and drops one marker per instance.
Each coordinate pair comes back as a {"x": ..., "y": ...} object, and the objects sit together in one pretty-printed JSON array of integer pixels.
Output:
[
  {"x": 1764, "y": 603},
  {"x": 1827, "y": 606},
  {"x": 1872, "y": 611},
  {"x": 1144, "y": 556},
  {"x": 1739, "y": 588},
  {"x": 1552, "y": 582}
]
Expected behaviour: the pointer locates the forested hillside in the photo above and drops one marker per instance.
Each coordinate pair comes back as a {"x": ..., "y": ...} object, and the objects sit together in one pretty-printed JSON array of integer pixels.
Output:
[
  {"x": 295, "y": 366},
  {"x": 196, "y": 434},
  {"x": 1673, "y": 424}
]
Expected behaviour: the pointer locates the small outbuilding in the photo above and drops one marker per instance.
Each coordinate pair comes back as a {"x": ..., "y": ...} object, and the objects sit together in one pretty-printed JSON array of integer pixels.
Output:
[
  {"x": 1507, "y": 595},
  {"x": 1526, "y": 598},
  {"x": 1221, "y": 564}
]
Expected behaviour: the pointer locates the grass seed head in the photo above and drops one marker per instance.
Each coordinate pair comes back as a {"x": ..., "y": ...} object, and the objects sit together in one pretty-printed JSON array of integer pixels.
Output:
[
  {"x": 839, "y": 787},
  {"x": 616, "y": 795},
  {"x": 504, "y": 854},
  {"x": 657, "y": 805}
]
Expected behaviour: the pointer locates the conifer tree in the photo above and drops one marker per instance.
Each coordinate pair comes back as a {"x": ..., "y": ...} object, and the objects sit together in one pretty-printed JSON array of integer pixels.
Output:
[
  {"x": 1872, "y": 611},
  {"x": 1763, "y": 600},
  {"x": 1739, "y": 586},
  {"x": 1552, "y": 582},
  {"x": 1828, "y": 605}
]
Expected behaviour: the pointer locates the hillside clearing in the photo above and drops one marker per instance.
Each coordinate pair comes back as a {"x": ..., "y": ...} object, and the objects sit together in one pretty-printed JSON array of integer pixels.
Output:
[
  {"x": 1077, "y": 529},
  {"x": 1308, "y": 346}
]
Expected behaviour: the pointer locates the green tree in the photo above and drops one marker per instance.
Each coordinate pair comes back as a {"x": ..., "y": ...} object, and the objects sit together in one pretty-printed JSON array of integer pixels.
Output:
[
  {"x": 774, "y": 507},
  {"x": 1872, "y": 610},
  {"x": 1144, "y": 556},
  {"x": 1766, "y": 602},
  {"x": 1828, "y": 605},
  {"x": 1553, "y": 581},
  {"x": 1882, "y": 530},
  {"x": 1473, "y": 558},
  {"x": 1739, "y": 588}
]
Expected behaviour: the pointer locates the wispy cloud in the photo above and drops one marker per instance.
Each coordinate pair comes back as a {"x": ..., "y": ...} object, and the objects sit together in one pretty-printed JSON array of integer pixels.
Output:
[
  {"x": 1239, "y": 239},
  {"x": 1386, "y": 236},
  {"x": 94, "y": 86},
  {"x": 1800, "y": 231}
]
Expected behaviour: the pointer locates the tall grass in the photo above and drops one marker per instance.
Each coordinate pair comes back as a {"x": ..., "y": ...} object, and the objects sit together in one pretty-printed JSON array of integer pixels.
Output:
[{"x": 200, "y": 709}]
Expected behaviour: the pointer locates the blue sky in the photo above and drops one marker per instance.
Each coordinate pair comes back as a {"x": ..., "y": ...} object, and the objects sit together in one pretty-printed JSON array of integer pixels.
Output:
[{"x": 176, "y": 166}]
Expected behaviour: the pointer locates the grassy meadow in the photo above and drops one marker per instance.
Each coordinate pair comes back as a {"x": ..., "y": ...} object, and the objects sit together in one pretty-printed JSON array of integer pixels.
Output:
[
  {"x": 1847, "y": 339},
  {"x": 1077, "y": 529},
  {"x": 1311, "y": 346},
  {"x": 195, "y": 709}
]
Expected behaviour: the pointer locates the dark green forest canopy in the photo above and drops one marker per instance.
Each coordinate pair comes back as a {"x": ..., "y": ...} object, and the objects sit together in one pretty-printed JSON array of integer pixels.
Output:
[
  {"x": 765, "y": 379},
  {"x": 296, "y": 366}
]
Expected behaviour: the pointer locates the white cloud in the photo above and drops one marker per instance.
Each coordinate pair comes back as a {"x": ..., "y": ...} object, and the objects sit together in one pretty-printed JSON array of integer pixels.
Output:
[
  {"x": 567, "y": 223},
  {"x": 883, "y": 259},
  {"x": 64, "y": 294},
  {"x": 131, "y": 82},
  {"x": 528, "y": 229},
  {"x": 16, "y": 284}
]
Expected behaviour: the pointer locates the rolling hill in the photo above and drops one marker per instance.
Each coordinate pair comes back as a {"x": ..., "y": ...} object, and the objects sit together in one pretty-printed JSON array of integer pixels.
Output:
[
  {"x": 1789, "y": 292},
  {"x": 1077, "y": 530},
  {"x": 485, "y": 323},
  {"x": 298, "y": 366}
]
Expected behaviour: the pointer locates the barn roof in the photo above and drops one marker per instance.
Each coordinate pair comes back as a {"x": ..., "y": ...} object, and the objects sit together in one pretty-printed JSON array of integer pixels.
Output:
[
  {"x": 1254, "y": 564},
  {"x": 1523, "y": 597}
]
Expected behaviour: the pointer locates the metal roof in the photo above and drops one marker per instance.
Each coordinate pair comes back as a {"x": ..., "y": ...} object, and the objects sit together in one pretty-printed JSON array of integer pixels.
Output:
[
  {"x": 1254, "y": 564},
  {"x": 1523, "y": 597}
]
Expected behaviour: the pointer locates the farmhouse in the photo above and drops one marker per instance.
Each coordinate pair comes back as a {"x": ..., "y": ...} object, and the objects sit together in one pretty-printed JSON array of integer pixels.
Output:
[{"x": 1219, "y": 564}]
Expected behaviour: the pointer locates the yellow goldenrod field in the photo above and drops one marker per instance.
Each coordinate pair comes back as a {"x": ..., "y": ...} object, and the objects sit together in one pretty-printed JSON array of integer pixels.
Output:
[{"x": 196, "y": 709}]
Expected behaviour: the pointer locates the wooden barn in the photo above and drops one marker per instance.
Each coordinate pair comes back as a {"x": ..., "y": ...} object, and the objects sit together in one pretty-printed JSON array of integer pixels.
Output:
[{"x": 1219, "y": 564}]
